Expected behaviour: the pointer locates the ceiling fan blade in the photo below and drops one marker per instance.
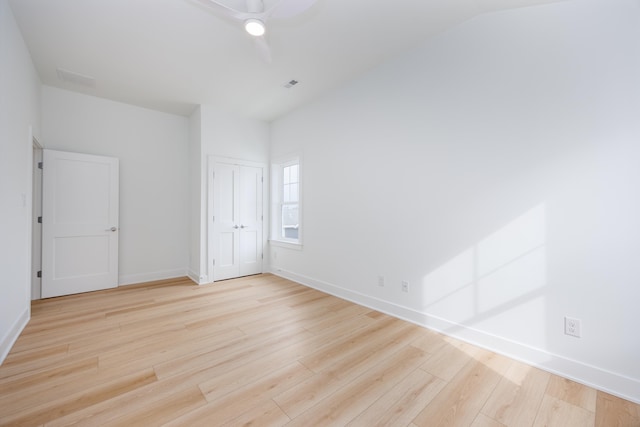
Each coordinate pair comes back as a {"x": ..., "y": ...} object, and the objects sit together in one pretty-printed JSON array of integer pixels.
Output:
[
  {"x": 289, "y": 8},
  {"x": 225, "y": 9},
  {"x": 255, "y": 6},
  {"x": 264, "y": 51}
]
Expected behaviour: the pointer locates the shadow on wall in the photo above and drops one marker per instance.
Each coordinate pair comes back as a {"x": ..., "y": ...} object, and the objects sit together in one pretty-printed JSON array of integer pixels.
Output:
[{"x": 504, "y": 272}]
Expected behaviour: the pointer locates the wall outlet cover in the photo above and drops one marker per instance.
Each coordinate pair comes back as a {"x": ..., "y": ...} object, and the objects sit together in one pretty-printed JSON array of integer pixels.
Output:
[{"x": 572, "y": 327}]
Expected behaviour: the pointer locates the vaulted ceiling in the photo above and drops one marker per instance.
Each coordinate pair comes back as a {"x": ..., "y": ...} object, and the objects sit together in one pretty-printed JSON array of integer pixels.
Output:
[{"x": 172, "y": 55}]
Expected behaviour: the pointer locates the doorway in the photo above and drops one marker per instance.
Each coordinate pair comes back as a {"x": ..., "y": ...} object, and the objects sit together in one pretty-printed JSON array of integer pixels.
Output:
[{"x": 236, "y": 231}]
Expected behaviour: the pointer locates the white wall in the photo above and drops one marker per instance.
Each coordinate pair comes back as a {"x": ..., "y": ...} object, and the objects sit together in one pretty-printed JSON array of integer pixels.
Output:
[
  {"x": 197, "y": 259},
  {"x": 19, "y": 112},
  {"x": 153, "y": 149},
  {"x": 232, "y": 136},
  {"x": 221, "y": 135},
  {"x": 495, "y": 169}
]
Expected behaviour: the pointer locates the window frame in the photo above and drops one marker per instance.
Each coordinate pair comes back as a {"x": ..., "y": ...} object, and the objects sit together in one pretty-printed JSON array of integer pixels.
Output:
[{"x": 277, "y": 203}]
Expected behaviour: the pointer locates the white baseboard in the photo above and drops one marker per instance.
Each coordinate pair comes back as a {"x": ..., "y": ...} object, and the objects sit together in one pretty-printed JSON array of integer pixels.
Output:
[
  {"x": 10, "y": 338},
  {"x": 592, "y": 376},
  {"x": 195, "y": 277},
  {"x": 131, "y": 279}
]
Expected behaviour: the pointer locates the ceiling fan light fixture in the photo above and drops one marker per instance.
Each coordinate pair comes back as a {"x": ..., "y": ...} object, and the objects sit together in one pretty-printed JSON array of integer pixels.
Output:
[{"x": 255, "y": 27}]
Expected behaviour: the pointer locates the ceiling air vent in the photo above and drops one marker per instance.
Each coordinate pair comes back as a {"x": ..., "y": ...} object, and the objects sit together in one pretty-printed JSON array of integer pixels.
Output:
[
  {"x": 291, "y": 83},
  {"x": 76, "y": 78}
]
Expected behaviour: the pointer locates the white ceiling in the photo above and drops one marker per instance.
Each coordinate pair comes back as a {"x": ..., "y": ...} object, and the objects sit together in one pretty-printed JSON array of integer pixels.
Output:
[{"x": 171, "y": 55}]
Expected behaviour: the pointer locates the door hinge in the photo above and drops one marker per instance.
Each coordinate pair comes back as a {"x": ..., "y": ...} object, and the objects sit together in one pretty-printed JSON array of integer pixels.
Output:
[
  {"x": 39, "y": 273},
  {"x": 214, "y": 262},
  {"x": 213, "y": 219},
  {"x": 262, "y": 179},
  {"x": 262, "y": 256},
  {"x": 261, "y": 217},
  {"x": 39, "y": 220},
  {"x": 39, "y": 165}
]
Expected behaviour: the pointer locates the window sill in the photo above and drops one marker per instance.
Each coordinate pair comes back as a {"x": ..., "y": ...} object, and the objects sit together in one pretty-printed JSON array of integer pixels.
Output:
[{"x": 287, "y": 245}]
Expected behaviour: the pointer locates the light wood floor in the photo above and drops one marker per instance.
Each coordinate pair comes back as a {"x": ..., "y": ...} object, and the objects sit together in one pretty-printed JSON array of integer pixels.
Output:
[{"x": 264, "y": 351}]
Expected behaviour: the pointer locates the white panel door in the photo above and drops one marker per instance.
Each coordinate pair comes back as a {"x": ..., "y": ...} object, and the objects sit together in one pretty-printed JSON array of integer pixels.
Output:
[
  {"x": 237, "y": 221},
  {"x": 226, "y": 250},
  {"x": 250, "y": 215},
  {"x": 79, "y": 223}
]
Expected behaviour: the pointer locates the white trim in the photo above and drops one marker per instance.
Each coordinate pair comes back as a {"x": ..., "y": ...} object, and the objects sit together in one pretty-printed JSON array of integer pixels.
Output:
[
  {"x": 35, "y": 241},
  {"x": 36, "y": 142},
  {"x": 287, "y": 245},
  {"x": 592, "y": 376},
  {"x": 133, "y": 279},
  {"x": 9, "y": 340},
  {"x": 196, "y": 278}
]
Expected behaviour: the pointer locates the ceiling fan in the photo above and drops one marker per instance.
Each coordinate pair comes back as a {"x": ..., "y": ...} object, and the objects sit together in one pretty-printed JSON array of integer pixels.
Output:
[{"x": 254, "y": 14}]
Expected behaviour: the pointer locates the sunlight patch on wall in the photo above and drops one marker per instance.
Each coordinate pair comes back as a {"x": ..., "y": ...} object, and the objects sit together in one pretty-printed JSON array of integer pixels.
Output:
[{"x": 498, "y": 284}]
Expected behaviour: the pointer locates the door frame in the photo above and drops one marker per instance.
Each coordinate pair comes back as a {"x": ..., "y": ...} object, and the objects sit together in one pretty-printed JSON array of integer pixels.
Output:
[
  {"x": 210, "y": 228},
  {"x": 36, "y": 227}
]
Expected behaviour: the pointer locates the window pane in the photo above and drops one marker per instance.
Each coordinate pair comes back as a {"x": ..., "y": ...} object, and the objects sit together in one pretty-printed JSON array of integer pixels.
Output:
[
  {"x": 286, "y": 193},
  {"x": 290, "y": 221},
  {"x": 294, "y": 173},
  {"x": 293, "y": 192},
  {"x": 286, "y": 175}
]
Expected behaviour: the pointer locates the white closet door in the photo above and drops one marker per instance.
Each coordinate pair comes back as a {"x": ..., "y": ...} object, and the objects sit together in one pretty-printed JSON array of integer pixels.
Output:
[
  {"x": 250, "y": 196},
  {"x": 225, "y": 220},
  {"x": 79, "y": 223},
  {"x": 237, "y": 220}
]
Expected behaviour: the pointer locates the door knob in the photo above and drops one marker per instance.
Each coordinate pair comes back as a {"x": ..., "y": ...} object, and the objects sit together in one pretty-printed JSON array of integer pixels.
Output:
[
  {"x": 236, "y": 227},
  {"x": 112, "y": 229},
  {"x": 244, "y": 226}
]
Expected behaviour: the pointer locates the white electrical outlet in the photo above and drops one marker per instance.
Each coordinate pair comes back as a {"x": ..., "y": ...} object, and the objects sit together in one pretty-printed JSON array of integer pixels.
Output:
[
  {"x": 572, "y": 327},
  {"x": 405, "y": 286},
  {"x": 381, "y": 281}
]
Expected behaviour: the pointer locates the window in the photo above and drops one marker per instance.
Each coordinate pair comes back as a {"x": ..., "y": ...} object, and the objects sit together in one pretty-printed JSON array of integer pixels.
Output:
[{"x": 286, "y": 202}]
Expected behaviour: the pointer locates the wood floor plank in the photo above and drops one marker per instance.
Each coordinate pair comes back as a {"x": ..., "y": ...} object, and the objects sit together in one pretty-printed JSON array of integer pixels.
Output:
[
  {"x": 246, "y": 375},
  {"x": 346, "y": 369},
  {"x": 24, "y": 391},
  {"x": 461, "y": 400},
  {"x": 517, "y": 398},
  {"x": 449, "y": 359},
  {"x": 336, "y": 318},
  {"x": 402, "y": 403},
  {"x": 266, "y": 351},
  {"x": 483, "y": 421},
  {"x": 431, "y": 342},
  {"x": 247, "y": 398},
  {"x": 156, "y": 412},
  {"x": 21, "y": 358},
  {"x": 266, "y": 415},
  {"x": 572, "y": 392},
  {"x": 612, "y": 411},
  {"x": 136, "y": 402},
  {"x": 267, "y": 385},
  {"x": 39, "y": 413},
  {"x": 559, "y": 413},
  {"x": 46, "y": 339},
  {"x": 252, "y": 325},
  {"x": 382, "y": 330},
  {"x": 238, "y": 348},
  {"x": 119, "y": 362},
  {"x": 99, "y": 344},
  {"x": 348, "y": 402}
]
